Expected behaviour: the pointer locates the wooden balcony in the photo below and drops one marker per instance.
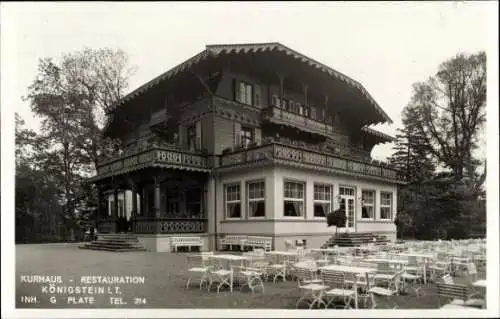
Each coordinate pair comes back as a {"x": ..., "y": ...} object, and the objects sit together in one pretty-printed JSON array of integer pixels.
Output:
[
  {"x": 153, "y": 156},
  {"x": 278, "y": 153},
  {"x": 278, "y": 115}
]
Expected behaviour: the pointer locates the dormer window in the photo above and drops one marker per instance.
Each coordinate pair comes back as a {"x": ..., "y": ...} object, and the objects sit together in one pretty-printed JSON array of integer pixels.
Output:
[{"x": 243, "y": 92}]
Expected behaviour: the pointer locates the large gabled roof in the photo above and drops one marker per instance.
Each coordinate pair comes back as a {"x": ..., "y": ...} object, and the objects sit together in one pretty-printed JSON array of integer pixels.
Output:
[{"x": 221, "y": 49}]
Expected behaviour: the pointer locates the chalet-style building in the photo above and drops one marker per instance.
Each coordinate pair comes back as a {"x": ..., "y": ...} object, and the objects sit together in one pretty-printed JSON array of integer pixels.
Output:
[{"x": 253, "y": 139}]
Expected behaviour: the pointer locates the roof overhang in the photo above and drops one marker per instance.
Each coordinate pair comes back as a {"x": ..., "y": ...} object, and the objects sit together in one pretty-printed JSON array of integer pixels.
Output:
[
  {"x": 222, "y": 49},
  {"x": 381, "y": 137}
]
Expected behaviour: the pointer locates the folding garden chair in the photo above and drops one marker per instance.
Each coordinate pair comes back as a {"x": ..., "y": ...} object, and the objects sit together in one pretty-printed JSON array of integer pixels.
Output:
[
  {"x": 311, "y": 291},
  {"x": 391, "y": 290},
  {"x": 197, "y": 267},
  {"x": 218, "y": 275},
  {"x": 337, "y": 288}
]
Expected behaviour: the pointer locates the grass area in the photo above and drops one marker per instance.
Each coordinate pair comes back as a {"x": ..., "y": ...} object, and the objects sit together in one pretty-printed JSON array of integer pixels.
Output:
[{"x": 165, "y": 277}]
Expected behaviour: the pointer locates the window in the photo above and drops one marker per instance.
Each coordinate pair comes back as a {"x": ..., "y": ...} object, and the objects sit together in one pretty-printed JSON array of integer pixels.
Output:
[
  {"x": 385, "y": 205},
  {"x": 284, "y": 104},
  {"x": 120, "y": 212},
  {"x": 191, "y": 137},
  {"x": 368, "y": 204},
  {"x": 301, "y": 110},
  {"x": 293, "y": 107},
  {"x": 257, "y": 96},
  {"x": 346, "y": 191},
  {"x": 193, "y": 203},
  {"x": 232, "y": 199},
  {"x": 275, "y": 101},
  {"x": 256, "y": 199},
  {"x": 246, "y": 136},
  {"x": 244, "y": 93},
  {"x": 322, "y": 199},
  {"x": 293, "y": 199}
]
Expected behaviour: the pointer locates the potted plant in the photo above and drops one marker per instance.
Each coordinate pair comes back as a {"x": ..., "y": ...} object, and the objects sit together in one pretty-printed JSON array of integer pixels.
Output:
[{"x": 336, "y": 218}]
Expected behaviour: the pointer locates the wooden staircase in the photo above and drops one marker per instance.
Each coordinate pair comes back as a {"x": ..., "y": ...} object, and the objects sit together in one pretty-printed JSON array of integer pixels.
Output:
[
  {"x": 115, "y": 242},
  {"x": 355, "y": 239}
]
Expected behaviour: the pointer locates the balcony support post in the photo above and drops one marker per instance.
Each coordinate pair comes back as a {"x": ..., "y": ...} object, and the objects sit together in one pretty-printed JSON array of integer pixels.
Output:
[
  {"x": 282, "y": 79},
  {"x": 115, "y": 202},
  {"x": 157, "y": 197}
]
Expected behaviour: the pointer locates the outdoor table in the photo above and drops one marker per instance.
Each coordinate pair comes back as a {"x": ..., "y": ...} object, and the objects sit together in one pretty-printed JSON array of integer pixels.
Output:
[
  {"x": 389, "y": 261},
  {"x": 326, "y": 251},
  {"x": 283, "y": 253},
  {"x": 425, "y": 256},
  {"x": 351, "y": 270},
  {"x": 229, "y": 259}
]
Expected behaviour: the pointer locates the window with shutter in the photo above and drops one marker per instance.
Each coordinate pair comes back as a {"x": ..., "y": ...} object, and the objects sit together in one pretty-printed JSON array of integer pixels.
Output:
[
  {"x": 246, "y": 136},
  {"x": 313, "y": 112},
  {"x": 198, "y": 135},
  {"x": 258, "y": 95},
  {"x": 243, "y": 92},
  {"x": 236, "y": 134}
]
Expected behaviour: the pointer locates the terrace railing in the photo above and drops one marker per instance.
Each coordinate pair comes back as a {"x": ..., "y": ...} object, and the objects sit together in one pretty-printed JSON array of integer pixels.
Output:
[
  {"x": 169, "y": 225},
  {"x": 285, "y": 154},
  {"x": 154, "y": 155}
]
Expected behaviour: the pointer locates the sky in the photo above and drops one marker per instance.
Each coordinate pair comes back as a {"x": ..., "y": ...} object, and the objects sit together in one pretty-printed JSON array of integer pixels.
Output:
[{"x": 385, "y": 46}]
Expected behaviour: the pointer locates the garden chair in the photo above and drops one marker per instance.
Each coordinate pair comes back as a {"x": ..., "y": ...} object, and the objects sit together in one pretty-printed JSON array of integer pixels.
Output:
[
  {"x": 460, "y": 295},
  {"x": 413, "y": 275},
  {"x": 311, "y": 291},
  {"x": 219, "y": 275},
  {"x": 197, "y": 266},
  {"x": 276, "y": 267},
  {"x": 390, "y": 291},
  {"x": 471, "y": 272},
  {"x": 249, "y": 277},
  {"x": 440, "y": 266},
  {"x": 337, "y": 288}
]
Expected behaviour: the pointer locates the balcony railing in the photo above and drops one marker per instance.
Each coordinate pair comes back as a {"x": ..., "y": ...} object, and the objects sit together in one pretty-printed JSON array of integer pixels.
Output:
[
  {"x": 160, "y": 156},
  {"x": 280, "y": 153},
  {"x": 281, "y": 116}
]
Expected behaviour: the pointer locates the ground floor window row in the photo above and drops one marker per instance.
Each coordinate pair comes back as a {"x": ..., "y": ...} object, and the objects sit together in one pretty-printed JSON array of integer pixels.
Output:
[{"x": 294, "y": 200}]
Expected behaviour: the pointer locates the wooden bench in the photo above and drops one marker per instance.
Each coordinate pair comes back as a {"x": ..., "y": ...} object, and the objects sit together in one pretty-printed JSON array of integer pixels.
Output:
[
  {"x": 186, "y": 242},
  {"x": 230, "y": 240},
  {"x": 259, "y": 242}
]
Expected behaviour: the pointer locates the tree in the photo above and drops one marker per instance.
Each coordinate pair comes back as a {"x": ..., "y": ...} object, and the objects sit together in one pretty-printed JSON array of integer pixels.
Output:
[
  {"x": 440, "y": 129},
  {"x": 448, "y": 111},
  {"x": 72, "y": 98}
]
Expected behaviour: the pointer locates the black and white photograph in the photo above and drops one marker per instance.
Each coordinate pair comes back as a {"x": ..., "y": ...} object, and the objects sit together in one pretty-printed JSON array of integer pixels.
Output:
[{"x": 249, "y": 159}]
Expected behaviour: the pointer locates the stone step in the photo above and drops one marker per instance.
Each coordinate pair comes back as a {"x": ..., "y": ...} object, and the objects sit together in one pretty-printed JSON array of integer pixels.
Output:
[
  {"x": 112, "y": 249},
  {"x": 115, "y": 242},
  {"x": 112, "y": 246}
]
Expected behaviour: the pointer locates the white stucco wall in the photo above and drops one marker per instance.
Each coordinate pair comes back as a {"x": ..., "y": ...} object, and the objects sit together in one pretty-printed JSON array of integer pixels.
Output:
[
  {"x": 246, "y": 224},
  {"x": 310, "y": 177},
  {"x": 276, "y": 225}
]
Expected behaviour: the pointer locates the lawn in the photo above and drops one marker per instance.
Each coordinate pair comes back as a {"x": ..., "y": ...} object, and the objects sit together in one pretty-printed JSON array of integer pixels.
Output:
[{"x": 165, "y": 277}]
